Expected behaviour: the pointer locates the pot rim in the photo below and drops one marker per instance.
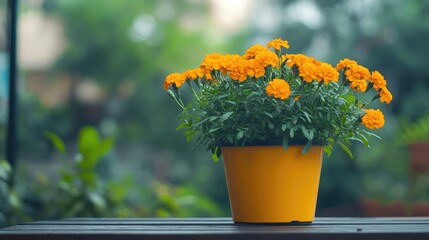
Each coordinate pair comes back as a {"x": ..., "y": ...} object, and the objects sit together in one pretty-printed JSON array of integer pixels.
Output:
[{"x": 271, "y": 142}]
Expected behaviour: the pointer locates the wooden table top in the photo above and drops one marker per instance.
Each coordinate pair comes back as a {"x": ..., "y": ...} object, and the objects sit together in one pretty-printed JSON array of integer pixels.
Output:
[{"x": 218, "y": 228}]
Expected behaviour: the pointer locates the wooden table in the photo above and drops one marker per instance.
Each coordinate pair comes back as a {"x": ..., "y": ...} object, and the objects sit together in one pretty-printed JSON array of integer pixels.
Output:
[{"x": 219, "y": 228}]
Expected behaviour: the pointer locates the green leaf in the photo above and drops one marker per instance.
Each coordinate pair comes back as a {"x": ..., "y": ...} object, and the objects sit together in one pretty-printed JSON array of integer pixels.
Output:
[
  {"x": 97, "y": 200},
  {"x": 226, "y": 116},
  {"x": 105, "y": 146},
  {"x": 307, "y": 116},
  {"x": 91, "y": 148},
  {"x": 189, "y": 135},
  {"x": 328, "y": 150},
  {"x": 291, "y": 132},
  {"x": 56, "y": 141},
  {"x": 183, "y": 125},
  {"x": 350, "y": 98},
  {"x": 284, "y": 127},
  {"x": 307, "y": 147},
  {"x": 88, "y": 139},
  {"x": 218, "y": 152},
  {"x": 269, "y": 114},
  {"x": 214, "y": 130},
  {"x": 201, "y": 122},
  {"x": 251, "y": 95},
  {"x": 363, "y": 139},
  {"x": 239, "y": 135},
  {"x": 311, "y": 134},
  {"x": 215, "y": 154},
  {"x": 285, "y": 142},
  {"x": 223, "y": 96},
  {"x": 294, "y": 119},
  {"x": 231, "y": 102},
  {"x": 212, "y": 118},
  {"x": 372, "y": 134},
  {"x": 346, "y": 149},
  {"x": 305, "y": 132}
]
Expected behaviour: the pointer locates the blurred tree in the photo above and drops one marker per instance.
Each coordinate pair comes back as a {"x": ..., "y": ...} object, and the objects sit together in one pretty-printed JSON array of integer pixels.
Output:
[{"x": 384, "y": 35}]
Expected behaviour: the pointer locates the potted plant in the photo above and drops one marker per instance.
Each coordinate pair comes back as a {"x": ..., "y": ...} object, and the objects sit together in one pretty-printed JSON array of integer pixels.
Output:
[
  {"x": 416, "y": 136},
  {"x": 271, "y": 115}
]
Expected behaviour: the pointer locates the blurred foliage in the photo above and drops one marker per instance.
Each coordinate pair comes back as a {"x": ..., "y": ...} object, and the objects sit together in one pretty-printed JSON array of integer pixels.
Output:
[
  {"x": 126, "y": 64},
  {"x": 10, "y": 202},
  {"x": 388, "y": 35},
  {"x": 79, "y": 191},
  {"x": 387, "y": 175},
  {"x": 412, "y": 132},
  {"x": 82, "y": 192}
]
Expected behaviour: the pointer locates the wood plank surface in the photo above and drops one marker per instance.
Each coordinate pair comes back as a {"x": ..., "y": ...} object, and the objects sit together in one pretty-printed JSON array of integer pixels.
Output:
[{"x": 218, "y": 228}]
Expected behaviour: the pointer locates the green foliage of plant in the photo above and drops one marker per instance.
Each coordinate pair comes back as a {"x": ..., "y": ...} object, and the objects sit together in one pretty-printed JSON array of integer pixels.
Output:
[
  {"x": 230, "y": 111},
  {"x": 412, "y": 132},
  {"x": 181, "y": 201},
  {"x": 81, "y": 190},
  {"x": 396, "y": 183},
  {"x": 10, "y": 202},
  {"x": 84, "y": 193}
]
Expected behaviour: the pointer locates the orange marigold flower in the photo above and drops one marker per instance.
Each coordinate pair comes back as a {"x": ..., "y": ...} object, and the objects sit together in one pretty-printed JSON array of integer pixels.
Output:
[
  {"x": 311, "y": 69},
  {"x": 359, "y": 85},
  {"x": 175, "y": 78},
  {"x": 345, "y": 63},
  {"x": 357, "y": 72},
  {"x": 267, "y": 58},
  {"x": 235, "y": 67},
  {"x": 357, "y": 75},
  {"x": 327, "y": 73},
  {"x": 297, "y": 98},
  {"x": 278, "y": 43},
  {"x": 278, "y": 88},
  {"x": 309, "y": 72},
  {"x": 193, "y": 73},
  {"x": 377, "y": 80},
  {"x": 296, "y": 59},
  {"x": 208, "y": 77},
  {"x": 254, "y": 69},
  {"x": 373, "y": 119},
  {"x": 211, "y": 62},
  {"x": 385, "y": 95},
  {"x": 254, "y": 50}
]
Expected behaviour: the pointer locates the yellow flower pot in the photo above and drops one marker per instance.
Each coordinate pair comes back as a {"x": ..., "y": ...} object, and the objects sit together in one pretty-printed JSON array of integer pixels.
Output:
[{"x": 269, "y": 185}]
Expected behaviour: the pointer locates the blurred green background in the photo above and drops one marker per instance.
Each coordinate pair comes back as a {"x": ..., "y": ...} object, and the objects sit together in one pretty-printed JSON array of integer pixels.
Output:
[{"x": 91, "y": 74}]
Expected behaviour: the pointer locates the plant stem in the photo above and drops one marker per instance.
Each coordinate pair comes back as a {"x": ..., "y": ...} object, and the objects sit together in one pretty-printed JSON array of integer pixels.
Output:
[{"x": 195, "y": 94}]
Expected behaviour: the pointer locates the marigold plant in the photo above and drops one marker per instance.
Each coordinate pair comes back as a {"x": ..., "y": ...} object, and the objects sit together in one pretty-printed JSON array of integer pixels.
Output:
[{"x": 266, "y": 95}]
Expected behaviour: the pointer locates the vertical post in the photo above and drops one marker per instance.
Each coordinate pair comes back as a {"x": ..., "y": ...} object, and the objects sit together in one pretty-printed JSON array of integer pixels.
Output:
[{"x": 11, "y": 138}]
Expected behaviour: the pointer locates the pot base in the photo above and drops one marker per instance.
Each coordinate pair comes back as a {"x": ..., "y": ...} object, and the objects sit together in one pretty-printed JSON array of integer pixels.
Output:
[{"x": 293, "y": 223}]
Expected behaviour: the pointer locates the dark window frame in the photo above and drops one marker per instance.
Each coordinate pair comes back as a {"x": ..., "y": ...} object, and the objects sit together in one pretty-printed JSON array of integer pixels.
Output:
[{"x": 11, "y": 135}]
